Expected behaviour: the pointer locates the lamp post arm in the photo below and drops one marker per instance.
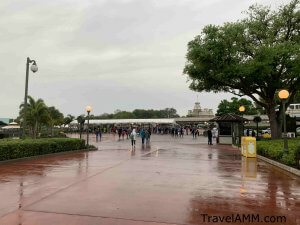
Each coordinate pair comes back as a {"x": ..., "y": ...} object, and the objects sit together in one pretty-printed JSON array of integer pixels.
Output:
[
  {"x": 30, "y": 60},
  {"x": 285, "y": 141}
]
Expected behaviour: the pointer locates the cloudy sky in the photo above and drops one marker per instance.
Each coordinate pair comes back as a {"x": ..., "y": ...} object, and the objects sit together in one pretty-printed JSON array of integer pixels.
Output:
[{"x": 111, "y": 54}]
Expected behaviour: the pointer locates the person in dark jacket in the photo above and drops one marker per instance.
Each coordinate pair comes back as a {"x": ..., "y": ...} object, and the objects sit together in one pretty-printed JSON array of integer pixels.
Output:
[
  {"x": 209, "y": 136},
  {"x": 143, "y": 135},
  {"x": 120, "y": 133}
]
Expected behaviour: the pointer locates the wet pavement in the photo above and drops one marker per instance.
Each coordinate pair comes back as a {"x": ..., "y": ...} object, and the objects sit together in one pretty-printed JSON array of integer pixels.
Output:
[{"x": 170, "y": 181}]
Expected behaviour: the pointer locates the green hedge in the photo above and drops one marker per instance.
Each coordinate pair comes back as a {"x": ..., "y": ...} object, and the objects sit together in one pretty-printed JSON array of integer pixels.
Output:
[
  {"x": 14, "y": 149},
  {"x": 273, "y": 149}
]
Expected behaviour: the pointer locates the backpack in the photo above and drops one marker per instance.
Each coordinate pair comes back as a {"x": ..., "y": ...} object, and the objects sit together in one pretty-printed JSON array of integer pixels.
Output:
[{"x": 131, "y": 136}]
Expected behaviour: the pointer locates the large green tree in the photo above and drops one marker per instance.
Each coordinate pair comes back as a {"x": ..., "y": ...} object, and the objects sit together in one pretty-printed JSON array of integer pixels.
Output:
[
  {"x": 232, "y": 106},
  {"x": 296, "y": 97},
  {"x": 256, "y": 56},
  {"x": 123, "y": 115},
  {"x": 36, "y": 114}
]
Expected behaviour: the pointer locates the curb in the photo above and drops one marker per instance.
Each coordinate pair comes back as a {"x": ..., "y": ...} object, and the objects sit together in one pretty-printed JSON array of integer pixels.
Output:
[
  {"x": 45, "y": 155},
  {"x": 280, "y": 165}
]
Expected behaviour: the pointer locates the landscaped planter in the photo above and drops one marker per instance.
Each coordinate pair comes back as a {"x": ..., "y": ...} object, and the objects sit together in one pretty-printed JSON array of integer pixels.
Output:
[
  {"x": 273, "y": 149},
  {"x": 15, "y": 149}
]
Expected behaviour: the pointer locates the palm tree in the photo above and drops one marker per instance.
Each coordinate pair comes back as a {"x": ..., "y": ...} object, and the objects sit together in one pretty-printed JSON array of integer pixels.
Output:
[
  {"x": 36, "y": 114},
  {"x": 80, "y": 119},
  {"x": 56, "y": 118},
  {"x": 68, "y": 119}
]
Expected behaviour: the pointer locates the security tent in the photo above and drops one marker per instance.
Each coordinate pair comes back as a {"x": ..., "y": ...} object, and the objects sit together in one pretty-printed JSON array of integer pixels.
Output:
[{"x": 230, "y": 128}]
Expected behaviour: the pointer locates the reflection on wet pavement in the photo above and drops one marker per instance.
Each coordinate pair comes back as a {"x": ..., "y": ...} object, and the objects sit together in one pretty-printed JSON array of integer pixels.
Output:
[{"x": 170, "y": 181}]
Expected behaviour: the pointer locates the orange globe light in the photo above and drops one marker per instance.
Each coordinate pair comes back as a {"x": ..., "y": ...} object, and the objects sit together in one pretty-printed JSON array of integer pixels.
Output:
[
  {"x": 88, "y": 108},
  {"x": 242, "y": 108},
  {"x": 283, "y": 94}
]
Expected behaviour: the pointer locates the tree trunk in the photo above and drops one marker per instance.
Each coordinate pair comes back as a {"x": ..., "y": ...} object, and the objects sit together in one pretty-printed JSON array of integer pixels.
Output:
[
  {"x": 35, "y": 130},
  {"x": 52, "y": 130},
  {"x": 275, "y": 124},
  {"x": 80, "y": 131}
]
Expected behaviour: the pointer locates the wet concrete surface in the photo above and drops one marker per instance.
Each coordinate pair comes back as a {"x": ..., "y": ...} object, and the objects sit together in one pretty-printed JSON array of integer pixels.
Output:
[{"x": 171, "y": 181}]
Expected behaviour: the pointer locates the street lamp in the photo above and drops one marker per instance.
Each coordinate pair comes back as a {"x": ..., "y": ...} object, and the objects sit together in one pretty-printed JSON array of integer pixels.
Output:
[
  {"x": 88, "y": 109},
  {"x": 284, "y": 95},
  {"x": 33, "y": 68},
  {"x": 242, "y": 109}
]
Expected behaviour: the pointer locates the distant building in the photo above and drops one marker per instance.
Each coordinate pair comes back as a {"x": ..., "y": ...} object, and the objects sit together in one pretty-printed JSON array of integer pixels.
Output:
[{"x": 198, "y": 112}]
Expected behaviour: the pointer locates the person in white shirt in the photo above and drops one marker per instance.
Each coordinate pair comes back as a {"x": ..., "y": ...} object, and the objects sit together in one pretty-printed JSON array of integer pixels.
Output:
[{"x": 133, "y": 138}]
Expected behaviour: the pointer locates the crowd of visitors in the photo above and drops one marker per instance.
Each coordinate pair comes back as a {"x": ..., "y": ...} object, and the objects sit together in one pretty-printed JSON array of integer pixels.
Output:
[{"x": 145, "y": 133}]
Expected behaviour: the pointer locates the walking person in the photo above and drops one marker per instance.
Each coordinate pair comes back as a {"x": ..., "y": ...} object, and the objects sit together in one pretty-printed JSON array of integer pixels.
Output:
[
  {"x": 209, "y": 136},
  {"x": 100, "y": 134},
  {"x": 142, "y": 134},
  {"x": 97, "y": 134},
  {"x": 149, "y": 130},
  {"x": 133, "y": 139},
  {"x": 248, "y": 132},
  {"x": 147, "y": 136},
  {"x": 123, "y": 134},
  {"x": 181, "y": 132},
  {"x": 120, "y": 133}
]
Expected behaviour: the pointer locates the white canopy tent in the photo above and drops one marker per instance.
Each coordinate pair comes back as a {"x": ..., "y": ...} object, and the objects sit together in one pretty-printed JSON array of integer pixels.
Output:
[{"x": 12, "y": 125}]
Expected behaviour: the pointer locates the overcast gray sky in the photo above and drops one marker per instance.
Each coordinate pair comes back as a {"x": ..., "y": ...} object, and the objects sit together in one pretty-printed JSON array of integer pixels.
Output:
[{"x": 111, "y": 54}]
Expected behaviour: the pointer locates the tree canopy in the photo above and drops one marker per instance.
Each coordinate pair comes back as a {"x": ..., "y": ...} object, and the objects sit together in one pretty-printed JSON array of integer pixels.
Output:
[
  {"x": 256, "y": 56},
  {"x": 232, "y": 106},
  {"x": 296, "y": 97},
  {"x": 140, "y": 114},
  {"x": 38, "y": 114},
  {"x": 68, "y": 119}
]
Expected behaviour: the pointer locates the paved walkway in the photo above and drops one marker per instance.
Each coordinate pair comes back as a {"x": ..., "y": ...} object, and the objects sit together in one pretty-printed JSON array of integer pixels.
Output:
[{"x": 173, "y": 181}]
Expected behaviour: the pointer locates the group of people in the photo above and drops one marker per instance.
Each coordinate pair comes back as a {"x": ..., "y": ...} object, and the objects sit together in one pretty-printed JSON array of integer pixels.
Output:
[
  {"x": 123, "y": 132},
  {"x": 253, "y": 134},
  {"x": 145, "y": 135},
  {"x": 175, "y": 132},
  {"x": 179, "y": 131},
  {"x": 195, "y": 132}
]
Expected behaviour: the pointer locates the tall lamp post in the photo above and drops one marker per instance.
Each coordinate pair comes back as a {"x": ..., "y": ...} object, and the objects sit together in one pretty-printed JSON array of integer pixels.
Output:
[
  {"x": 88, "y": 109},
  {"x": 33, "y": 68},
  {"x": 242, "y": 109},
  {"x": 284, "y": 95}
]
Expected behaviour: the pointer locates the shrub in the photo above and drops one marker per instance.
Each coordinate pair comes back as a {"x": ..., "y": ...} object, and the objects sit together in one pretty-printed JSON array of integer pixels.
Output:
[
  {"x": 266, "y": 136},
  {"x": 273, "y": 149},
  {"x": 13, "y": 149}
]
